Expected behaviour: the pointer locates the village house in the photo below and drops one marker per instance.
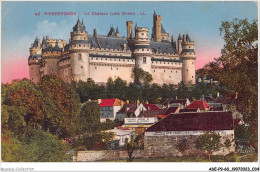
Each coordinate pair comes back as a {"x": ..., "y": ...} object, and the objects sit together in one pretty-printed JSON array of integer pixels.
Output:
[
  {"x": 130, "y": 110},
  {"x": 121, "y": 134},
  {"x": 197, "y": 106},
  {"x": 161, "y": 139},
  {"x": 109, "y": 108},
  {"x": 162, "y": 113}
]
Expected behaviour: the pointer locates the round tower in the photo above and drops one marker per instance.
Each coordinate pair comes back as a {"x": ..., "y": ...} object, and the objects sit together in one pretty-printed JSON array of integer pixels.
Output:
[
  {"x": 79, "y": 32},
  {"x": 34, "y": 61},
  {"x": 142, "y": 51},
  {"x": 188, "y": 57},
  {"x": 79, "y": 53}
]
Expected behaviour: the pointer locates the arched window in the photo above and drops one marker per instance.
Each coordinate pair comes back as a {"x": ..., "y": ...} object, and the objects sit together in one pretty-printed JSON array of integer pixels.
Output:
[
  {"x": 79, "y": 57},
  {"x": 144, "y": 60}
]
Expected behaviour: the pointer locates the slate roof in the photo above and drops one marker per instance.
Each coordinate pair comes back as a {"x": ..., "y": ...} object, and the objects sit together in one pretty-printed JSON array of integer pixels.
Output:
[
  {"x": 110, "y": 42},
  {"x": 198, "y": 104},
  {"x": 151, "y": 107},
  {"x": 110, "y": 102},
  {"x": 188, "y": 38},
  {"x": 34, "y": 56},
  {"x": 179, "y": 38},
  {"x": 79, "y": 27},
  {"x": 162, "y": 29},
  {"x": 188, "y": 50},
  {"x": 198, "y": 121},
  {"x": 36, "y": 43},
  {"x": 111, "y": 32},
  {"x": 162, "y": 47},
  {"x": 50, "y": 48}
]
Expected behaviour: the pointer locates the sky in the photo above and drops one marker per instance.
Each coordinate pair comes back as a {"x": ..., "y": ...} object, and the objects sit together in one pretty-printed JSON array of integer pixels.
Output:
[{"x": 201, "y": 20}]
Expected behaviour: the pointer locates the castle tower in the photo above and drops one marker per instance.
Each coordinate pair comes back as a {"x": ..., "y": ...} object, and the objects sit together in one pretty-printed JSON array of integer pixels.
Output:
[
  {"x": 79, "y": 52},
  {"x": 156, "y": 35},
  {"x": 179, "y": 44},
  {"x": 188, "y": 58},
  {"x": 142, "y": 50},
  {"x": 79, "y": 32},
  {"x": 34, "y": 61},
  {"x": 51, "y": 56},
  {"x": 129, "y": 25}
]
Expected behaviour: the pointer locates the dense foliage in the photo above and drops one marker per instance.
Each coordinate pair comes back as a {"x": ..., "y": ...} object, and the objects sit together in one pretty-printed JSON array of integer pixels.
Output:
[{"x": 237, "y": 69}]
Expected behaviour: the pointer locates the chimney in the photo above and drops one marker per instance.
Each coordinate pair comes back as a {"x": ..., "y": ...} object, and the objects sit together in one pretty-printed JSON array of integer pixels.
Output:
[{"x": 129, "y": 25}]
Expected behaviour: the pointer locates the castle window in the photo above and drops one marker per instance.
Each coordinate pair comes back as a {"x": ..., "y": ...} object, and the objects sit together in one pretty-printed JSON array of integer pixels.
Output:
[
  {"x": 123, "y": 60},
  {"x": 147, "y": 49},
  {"x": 95, "y": 67},
  {"x": 179, "y": 63},
  {"x": 101, "y": 58},
  {"x": 144, "y": 60},
  {"x": 176, "y": 71},
  {"x": 96, "y": 58},
  {"x": 154, "y": 70},
  {"x": 142, "y": 49},
  {"x": 187, "y": 70},
  {"x": 106, "y": 58},
  {"x": 31, "y": 67},
  {"x": 163, "y": 70},
  {"x": 192, "y": 62},
  {"x": 79, "y": 57},
  {"x": 110, "y": 59},
  {"x": 114, "y": 59},
  {"x": 79, "y": 45},
  {"x": 92, "y": 58},
  {"x": 32, "y": 78},
  {"x": 189, "y": 46},
  {"x": 132, "y": 60},
  {"x": 168, "y": 62},
  {"x": 128, "y": 60},
  {"x": 147, "y": 34},
  {"x": 116, "y": 68},
  {"x": 169, "y": 76},
  {"x": 118, "y": 59},
  {"x": 81, "y": 67},
  {"x": 192, "y": 76},
  {"x": 171, "y": 71},
  {"x": 142, "y": 33},
  {"x": 84, "y": 45},
  {"x": 111, "y": 68},
  {"x": 84, "y": 38},
  {"x": 164, "y": 62}
]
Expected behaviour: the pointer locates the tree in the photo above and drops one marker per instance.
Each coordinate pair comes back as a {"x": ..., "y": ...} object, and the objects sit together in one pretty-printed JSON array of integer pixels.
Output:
[
  {"x": 183, "y": 145},
  {"x": 242, "y": 133},
  {"x": 35, "y": 146},
  {"x": 90, "y": 118},
  {"x": 237, "y": 68},
  {"x": 133, "y": 144},
  {"x": 62, "y": 106},
  {"x": 140, "y": 76},
  {"x": 23, "y": 106},
  {"x": 209, "y": 142},
  {"x": 120, "y": 88}
]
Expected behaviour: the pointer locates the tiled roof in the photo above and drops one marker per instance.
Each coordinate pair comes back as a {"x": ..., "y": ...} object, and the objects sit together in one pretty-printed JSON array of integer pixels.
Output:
[
  {"x": 79, "y": 27},
  {"x": 110, "y": 102},
  {"x": 111, "y": 32},
  {"x": 36, "y": 43},
  {"x": 198, "y": 121},
  {"x": 228, "y": 99},
  {"x": 198, "y": 104},
  {"x": 151, "y": 107}
]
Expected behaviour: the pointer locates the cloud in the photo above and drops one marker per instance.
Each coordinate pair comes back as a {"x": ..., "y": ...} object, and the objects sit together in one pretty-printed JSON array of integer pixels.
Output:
[{"x": 55, "y": 30}]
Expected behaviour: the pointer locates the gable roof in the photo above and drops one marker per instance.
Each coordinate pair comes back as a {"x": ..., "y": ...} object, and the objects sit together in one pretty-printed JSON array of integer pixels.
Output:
[
  {"x": 110, "y": 102},
  {"x": 188, "y": 110},
  {"x": 198, "y": 104},
  {"x": 129, "y": 108},
  {"x": 152, "y": 113},
  {"x": 151, "y": 107},
  {"x": 198, "y": 121}
]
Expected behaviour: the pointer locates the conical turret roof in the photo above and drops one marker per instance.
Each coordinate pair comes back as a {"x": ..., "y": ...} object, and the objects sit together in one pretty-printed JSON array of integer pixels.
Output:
[{"x": 79, "y": 27}]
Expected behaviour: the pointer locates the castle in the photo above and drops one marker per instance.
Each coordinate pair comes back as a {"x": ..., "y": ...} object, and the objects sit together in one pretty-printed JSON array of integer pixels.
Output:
[{"x": 100, "y": 57}]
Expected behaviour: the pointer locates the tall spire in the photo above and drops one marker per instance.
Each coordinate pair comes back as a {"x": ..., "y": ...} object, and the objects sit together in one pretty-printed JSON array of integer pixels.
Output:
[
  {"x": 154, "y": 13},
  {"x": 82, "y": 22},
  {"x": 117, "y": 30}
]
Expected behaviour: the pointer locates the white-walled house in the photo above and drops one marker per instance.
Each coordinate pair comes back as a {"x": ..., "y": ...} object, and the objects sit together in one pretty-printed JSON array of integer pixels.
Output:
[{"x": 109, "y": 108}]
